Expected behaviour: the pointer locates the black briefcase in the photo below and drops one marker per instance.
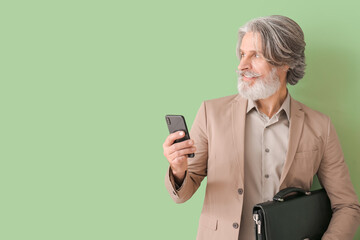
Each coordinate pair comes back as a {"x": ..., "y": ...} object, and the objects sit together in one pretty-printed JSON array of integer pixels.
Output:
[{"x": 304, "y": 215}]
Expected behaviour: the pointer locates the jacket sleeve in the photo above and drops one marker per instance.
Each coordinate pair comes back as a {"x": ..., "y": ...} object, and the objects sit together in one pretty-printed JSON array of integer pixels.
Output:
[
  {"x": 333, "y": 174},
  {"x": 197, "y": 166}
]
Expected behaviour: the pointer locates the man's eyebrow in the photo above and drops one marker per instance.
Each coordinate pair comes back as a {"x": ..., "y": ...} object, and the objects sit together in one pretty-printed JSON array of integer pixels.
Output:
[{"x": 251, "y": 51}]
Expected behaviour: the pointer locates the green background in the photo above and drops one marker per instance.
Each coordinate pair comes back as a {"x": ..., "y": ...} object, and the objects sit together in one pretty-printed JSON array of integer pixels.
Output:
[{"x": 85, "y": 86}]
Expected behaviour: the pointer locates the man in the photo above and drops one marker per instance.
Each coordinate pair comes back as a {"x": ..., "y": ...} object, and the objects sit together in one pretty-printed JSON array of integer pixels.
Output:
[{"x": 255, "y": 143}]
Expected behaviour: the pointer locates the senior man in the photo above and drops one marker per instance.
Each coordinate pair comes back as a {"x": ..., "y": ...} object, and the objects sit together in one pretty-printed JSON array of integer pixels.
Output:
[{"x": 255, "y": 143}]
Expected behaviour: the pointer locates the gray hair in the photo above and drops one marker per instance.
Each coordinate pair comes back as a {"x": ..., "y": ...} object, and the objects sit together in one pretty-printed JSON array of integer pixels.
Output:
[{"x": 282, "y": 43}]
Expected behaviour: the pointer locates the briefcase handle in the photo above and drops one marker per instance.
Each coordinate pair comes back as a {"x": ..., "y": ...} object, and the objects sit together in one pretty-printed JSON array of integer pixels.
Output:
[{"x": 280, "y": 196}]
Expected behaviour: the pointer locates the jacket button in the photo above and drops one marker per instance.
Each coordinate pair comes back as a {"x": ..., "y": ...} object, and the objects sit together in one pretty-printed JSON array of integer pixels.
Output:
[
  {"x": 235, "y": 225},
  {"x": 240, "y": 191}
]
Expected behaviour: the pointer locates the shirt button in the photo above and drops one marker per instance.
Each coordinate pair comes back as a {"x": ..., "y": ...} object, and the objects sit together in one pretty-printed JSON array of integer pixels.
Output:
[
  {"x": 240, "y": 191},
  {"x": 267, "y": 150},
  {"x": 266, "y": 175},
  {"x": 235, "y": 225}
]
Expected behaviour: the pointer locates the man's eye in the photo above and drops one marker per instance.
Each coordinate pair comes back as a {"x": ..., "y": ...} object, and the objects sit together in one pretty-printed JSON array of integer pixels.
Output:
[{"x": 257, "y": 55}]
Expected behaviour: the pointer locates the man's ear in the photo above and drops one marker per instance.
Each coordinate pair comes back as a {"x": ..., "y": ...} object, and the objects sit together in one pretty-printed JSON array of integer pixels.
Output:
[{"x": 285, "y": 68}]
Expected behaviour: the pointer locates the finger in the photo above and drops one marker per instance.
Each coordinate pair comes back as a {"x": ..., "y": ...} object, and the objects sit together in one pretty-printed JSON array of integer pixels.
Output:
[
  {"x": 181, "y": 153},
  {"x": 181, "y": 145},
  {"x": 172, "y": 137}
]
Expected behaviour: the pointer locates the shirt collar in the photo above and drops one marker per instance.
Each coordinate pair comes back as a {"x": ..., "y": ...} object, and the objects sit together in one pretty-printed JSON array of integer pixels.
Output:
[{"x": 285, "y": 106}]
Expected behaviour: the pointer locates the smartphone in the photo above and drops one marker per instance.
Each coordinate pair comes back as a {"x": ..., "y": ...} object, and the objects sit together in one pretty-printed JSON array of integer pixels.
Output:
[{"x": 177, "y": 123}]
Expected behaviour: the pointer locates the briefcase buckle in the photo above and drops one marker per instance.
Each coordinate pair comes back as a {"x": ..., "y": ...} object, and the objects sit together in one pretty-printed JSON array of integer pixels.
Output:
[{"x": 257, "y": 222}]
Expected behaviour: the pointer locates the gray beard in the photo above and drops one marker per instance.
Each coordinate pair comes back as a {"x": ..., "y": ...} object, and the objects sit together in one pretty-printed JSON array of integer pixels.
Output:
[{"x": 262, "y": 87}]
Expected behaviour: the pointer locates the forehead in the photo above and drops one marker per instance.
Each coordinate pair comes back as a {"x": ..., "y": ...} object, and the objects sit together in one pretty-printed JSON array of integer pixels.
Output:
[{"x": 251, "y": 42}]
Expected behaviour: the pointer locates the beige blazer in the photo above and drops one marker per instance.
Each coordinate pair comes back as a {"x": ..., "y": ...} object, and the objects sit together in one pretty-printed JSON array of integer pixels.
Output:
[{"x": 218, "y": 131}]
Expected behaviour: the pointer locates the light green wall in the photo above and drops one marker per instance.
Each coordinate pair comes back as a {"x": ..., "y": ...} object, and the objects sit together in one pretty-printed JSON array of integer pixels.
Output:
[{"x": 85, "y": 86}]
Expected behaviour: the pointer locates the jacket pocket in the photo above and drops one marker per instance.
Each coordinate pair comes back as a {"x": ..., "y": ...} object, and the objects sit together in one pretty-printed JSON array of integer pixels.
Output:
[
  {"x": 304, "y": 168},
  {"x": 306, "y": 154},
  {"x": 208, "y": 222}
]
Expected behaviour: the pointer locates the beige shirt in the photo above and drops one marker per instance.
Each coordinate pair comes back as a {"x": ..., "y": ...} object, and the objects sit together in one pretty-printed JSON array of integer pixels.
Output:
[{"x": 266, "y": 144}]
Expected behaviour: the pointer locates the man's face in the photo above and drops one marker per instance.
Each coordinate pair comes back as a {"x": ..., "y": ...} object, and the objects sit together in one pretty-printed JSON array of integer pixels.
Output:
[{"x": 257, "y": 79}]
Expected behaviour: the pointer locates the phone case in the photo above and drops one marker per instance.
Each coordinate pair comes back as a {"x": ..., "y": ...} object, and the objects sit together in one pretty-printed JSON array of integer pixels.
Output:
[{"x": 177, "y": 123}]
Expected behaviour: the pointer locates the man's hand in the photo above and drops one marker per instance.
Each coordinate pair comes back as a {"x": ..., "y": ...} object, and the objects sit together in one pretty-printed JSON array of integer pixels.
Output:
[{"x": 176, "y": 154}]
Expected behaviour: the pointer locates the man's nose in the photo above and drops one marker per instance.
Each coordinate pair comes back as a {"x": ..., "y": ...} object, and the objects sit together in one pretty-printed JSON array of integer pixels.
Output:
[{"x": 244, "y": 64}]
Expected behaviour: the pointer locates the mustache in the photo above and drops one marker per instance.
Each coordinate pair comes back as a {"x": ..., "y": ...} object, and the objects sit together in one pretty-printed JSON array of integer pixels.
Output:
[{"x": 248, "y": 74}]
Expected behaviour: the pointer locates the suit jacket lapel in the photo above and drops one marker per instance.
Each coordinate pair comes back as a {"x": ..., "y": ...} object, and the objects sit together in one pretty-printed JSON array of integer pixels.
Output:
[
  {"x": 296, "y": 127},
  {"x": 238, "y": 125}
]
